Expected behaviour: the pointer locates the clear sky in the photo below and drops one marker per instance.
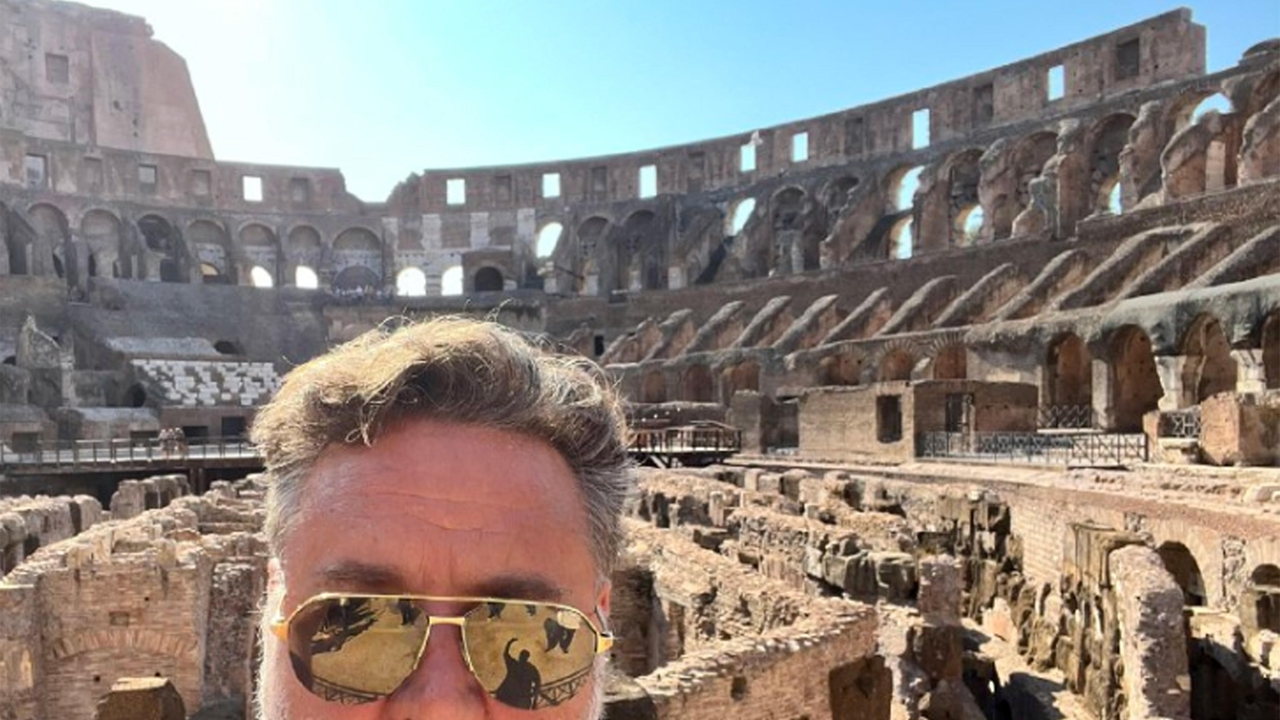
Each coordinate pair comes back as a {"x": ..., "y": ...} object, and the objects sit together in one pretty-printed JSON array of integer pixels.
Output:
[{"x": 383, "y": 88}]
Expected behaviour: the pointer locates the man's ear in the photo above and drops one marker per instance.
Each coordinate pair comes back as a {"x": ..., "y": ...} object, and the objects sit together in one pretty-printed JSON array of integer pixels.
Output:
[{"x": 603, "y": 602}]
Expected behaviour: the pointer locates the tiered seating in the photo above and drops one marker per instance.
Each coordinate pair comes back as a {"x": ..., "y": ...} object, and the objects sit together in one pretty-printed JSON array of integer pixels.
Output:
[{"x": 203, "y": 383}]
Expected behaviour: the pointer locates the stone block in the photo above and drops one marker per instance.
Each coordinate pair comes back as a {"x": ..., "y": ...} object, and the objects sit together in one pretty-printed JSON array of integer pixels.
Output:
[
  {"x": 1153, "y": 641},
  {"x": 941, "y": 589},
  {"x": 895, "y": 575},
  {"x": 861, "y": 690},
  {"x": 142, "y": 699},
  {"x": 937, "y": 649}
]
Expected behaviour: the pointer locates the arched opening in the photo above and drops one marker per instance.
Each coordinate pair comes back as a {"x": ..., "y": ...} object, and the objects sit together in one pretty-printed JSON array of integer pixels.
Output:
[
  {"x": 951, "y": 363},
  {"x": 135, "y": 397},
  {"x": 901, "y": 242},
  {"x": 52, "y": 233},
  {"x": 1136, "y": 387},
  {"x": 211, "y": 275},
  {"x": 303, "y": 249},
  {"x": 1068, "y": 385},
  {"x": 208, "y": 242},
  {"x": 1265, "y": 575},
  {"x": 357, "y": 280},
  {"x": 411, "y": 282},
  {"x": 451, "y": 281},
  {"x": 902, "y": 188},
  {"x": 1214, "y": 103},
  {"x": 1271, "y": 350},
  {"x": 1182, "y": 565},
  {"x": 10, "y": 360},
  {"x": 157, "y": 234},
  {"x": 306, "y": 278},
  {"x": 741, "y": 214},
  {"x": 1207, "y": 368},
  {"x": 260, "y": 277},
  {"x": 653, "y": 389},
  {"x": 698, "y": 385},
  {"x": 1032, "y": 155},
  {"x": 1109, "y": 138},
  {"x": 488, "y": 279},
  {"x": 259, "y": 245},
  {"x": 743, "y": 376},
  {"x": 896, "y": 366},
  {"x": 640, "y": 254},
  {"x": 227, "y": 347},
  {"x": 844, "y": 369},
  {"x": 548, "y": 239},
  {"x": 968, "y": 225},
  {"x": 102, "y": 232}
]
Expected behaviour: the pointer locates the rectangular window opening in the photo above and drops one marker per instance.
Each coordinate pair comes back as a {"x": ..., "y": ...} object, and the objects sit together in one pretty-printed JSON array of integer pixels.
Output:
[
  {"x": 1056, "y": 82},
  {"x": 920, "y": 129},
  {"x": 300, "y": 190},
  {"x": 984, "y": 107},
  {"x": 889, "y": 418},
  {"x": 502, "y": 188},
  {"x": 1128, "y": 59},
  {"x": 92, "y": 169},
  {"x": 551, "y": 185},
  {"x": 57, "y": 69},
  {"x": 455, "y": 191},
  {"x": 201, "y": 183},
  {"x": 36, "y": 169},
  {"x": 800, "y": 147},
  {"x": 148, "y": 178},
  {"x": 251, "y": 188},
  {"x": 747, "y": 157},
  {"x": 648, "y": 181}
]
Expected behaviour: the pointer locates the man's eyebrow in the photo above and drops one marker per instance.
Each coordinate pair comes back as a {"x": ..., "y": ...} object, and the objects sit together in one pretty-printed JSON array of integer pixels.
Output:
[
  {"x": 521, "y": 587},
  {"x": 358, "y": 574}
]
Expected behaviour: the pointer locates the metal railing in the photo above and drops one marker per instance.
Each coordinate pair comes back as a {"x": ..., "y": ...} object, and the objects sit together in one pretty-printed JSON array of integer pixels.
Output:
[
  {"x": 123, "y": 451},
  {"x": 1180, "y": 424},
  {"x": 1084, "y": 449},
  {"x": 1067, "y": 417},
  {"x": 710, "y": 438}
]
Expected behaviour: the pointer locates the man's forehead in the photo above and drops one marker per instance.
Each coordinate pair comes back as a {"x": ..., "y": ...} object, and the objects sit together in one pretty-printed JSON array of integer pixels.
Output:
[{"x": 373, "y": 576}]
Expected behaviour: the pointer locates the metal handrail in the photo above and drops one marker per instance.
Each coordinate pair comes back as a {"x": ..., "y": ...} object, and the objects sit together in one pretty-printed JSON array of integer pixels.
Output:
[
  {"x": 1085, "y": 449},
  {"x": 686, "y": 438},
  {"x": 114, "y": 451}
]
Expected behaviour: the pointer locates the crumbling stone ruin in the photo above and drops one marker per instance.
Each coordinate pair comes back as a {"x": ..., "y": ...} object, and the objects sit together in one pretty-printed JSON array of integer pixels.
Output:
[{"x": 1000, "y": 359}]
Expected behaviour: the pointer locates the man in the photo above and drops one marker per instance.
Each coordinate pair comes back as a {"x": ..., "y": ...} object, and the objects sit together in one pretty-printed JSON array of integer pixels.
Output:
[{"x": 440, "y": 495}]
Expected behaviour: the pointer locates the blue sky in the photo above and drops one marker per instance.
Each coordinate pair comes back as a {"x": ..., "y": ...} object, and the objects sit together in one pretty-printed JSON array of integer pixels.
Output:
[{"x": 383, "y": 88}]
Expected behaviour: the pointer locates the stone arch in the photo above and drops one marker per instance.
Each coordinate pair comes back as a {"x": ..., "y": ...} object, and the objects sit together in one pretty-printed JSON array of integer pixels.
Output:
[
  {"x": 1068, "y": 375},
  {"x": 1182, "y": 565},
  {"x": 743, "y": 376},
  {"x": 261, "y": 248},
  {"x": 697, "y": 384},
  {"x": 1106, "y": 139},
  {"x": 1135, "y": 383},
  {"x": 961, "y": 173},
  {"x": 488, "y": 279},
  {"x": 411, "y": 282},
  {"x": 548, "y": 240},
  {"x": 53, "y": 234},
  {"x": 1207, "y": 365},
  {"x": 304, "y": 252},
  {"x": 164, "y": 251},
  {"x": 102, "y": 232},
  {"x": 951, "y": 362},
  {"x": 589, "y": 236},
  {"x": 640, "y": 254},
  {"x": 208, "y": 241},
  {"x": 1265, "y": 90},
  {"x": 1270, "y": 339},
  {"x": 358, "y": 247},
  {"x": 788, "y": 252},
  {"x": 896, "y": 365},
  {"x": 844, "y": 369},
  {"x": 356, "y": 277},
  {"x": 900, "y": 185},
  {"x": 737, "y": 218},
  {"x": 653, "y": 387},
  {"x": 1030, "y": 156},
  {"x": 902, "y": 239},
  {"x": 1266, "y": 575}
]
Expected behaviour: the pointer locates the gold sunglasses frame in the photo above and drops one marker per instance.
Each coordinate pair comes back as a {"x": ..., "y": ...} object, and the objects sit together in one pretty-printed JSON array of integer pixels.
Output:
[{"x": 604, "y": 639}]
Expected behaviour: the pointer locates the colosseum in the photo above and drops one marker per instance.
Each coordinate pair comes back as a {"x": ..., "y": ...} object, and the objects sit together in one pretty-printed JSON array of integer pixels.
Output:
[{"x": 960, "y": 404}]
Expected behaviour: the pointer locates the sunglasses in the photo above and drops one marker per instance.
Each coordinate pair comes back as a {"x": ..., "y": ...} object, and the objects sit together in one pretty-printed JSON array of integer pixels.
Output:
[{"x": 355, "y": 649}]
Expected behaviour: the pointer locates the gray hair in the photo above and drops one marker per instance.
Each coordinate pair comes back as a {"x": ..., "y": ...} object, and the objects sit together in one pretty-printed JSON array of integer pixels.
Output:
[{"x": 454, "y": 370}]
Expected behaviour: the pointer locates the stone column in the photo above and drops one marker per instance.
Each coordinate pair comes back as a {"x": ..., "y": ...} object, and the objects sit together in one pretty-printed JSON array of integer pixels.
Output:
[
  {"x": 1251, "y": 375},
  {"x": 1169, "y": 367},
  {"x": 1103, "y": 407},
  {"x": 1153, "y": 642}
]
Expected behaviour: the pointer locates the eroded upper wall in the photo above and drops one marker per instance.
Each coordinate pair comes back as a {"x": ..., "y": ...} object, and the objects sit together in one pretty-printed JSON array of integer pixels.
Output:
[
  {"x": 82, "y": 75},
  {"x": 1166, "y": 47}
]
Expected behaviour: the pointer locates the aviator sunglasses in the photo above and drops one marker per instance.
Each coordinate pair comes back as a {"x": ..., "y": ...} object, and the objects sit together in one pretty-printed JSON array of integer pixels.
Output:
[{"x": 360, "y": 648}]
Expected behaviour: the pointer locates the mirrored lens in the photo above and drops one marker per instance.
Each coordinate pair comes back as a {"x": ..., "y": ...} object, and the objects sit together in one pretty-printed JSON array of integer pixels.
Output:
[
  {"x": 528, "y": 655},
  {"x": 356, "y": 649}
]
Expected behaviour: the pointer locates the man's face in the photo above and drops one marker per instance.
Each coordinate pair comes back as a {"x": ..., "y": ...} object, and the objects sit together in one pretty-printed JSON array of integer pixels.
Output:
[{"x": 433, "y": 509}]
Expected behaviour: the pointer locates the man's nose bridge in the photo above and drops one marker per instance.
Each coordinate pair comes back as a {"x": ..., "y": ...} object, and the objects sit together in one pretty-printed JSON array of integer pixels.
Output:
[{"x": 456, "y": 620}]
